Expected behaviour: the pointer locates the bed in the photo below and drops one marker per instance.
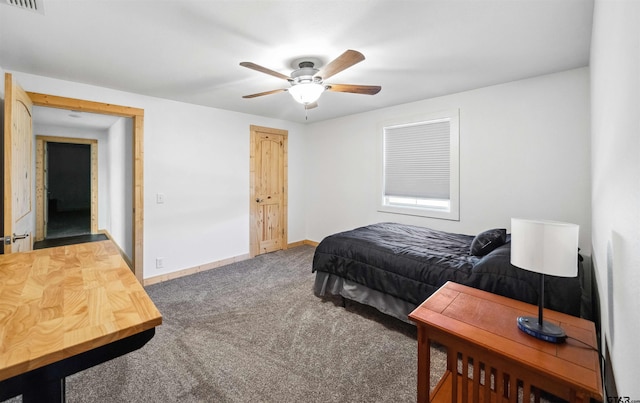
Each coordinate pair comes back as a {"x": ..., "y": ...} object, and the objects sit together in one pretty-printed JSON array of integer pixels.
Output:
[{"x": 395, "y": 267}]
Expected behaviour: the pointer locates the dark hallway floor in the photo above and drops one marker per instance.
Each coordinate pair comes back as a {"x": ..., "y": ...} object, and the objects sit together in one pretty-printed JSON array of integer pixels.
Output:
[
  {"x": 63, "y": 224},
  {"x": 53, "y": 242},
  {"x": 65, "y": 228}
]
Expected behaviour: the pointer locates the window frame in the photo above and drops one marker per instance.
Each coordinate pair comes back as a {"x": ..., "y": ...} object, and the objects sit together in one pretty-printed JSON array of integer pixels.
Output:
[{"x": 453, "y": 212}]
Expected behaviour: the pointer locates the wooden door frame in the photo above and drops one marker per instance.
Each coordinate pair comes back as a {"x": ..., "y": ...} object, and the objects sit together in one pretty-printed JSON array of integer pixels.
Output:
[
  {"x": 254, "y": 247},
  {"x": 40, "y": 185},
  {"x": 52, "y": 101}
]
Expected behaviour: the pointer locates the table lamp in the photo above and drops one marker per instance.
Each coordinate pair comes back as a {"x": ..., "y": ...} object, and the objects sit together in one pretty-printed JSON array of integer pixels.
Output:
[{"x": 548, "y": 248}]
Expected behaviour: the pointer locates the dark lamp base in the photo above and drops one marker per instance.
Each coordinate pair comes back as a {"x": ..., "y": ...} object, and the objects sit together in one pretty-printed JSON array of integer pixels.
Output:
[{"x": 547, "y": 332}]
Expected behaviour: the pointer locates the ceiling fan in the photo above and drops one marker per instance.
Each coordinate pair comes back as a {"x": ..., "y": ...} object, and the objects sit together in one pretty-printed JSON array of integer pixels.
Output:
[{"x": 307, "y": 81}]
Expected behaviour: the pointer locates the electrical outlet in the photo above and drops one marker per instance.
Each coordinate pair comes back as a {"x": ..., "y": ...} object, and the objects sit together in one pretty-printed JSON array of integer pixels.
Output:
[{"x": 159, "y": 262}]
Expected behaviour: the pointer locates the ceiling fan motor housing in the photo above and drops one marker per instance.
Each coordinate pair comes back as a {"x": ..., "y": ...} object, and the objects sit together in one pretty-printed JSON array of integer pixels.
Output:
[{"x": 305, "y": 74}]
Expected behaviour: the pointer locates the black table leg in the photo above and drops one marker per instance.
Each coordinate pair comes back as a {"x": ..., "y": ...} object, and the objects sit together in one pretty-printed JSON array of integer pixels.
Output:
[
  {"x": 47, "y": 384},
  {"x": 53, "y": 391}
]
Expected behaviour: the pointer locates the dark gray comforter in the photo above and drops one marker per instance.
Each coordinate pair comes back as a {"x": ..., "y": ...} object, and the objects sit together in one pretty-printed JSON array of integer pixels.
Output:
[{"x": 411, "y": 262}]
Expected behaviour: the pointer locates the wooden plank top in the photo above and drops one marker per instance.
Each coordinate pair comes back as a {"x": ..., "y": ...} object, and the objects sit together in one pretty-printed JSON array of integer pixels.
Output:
[
  {"x": 489, "y": 321},
  {"x": 59, "y": 302}
]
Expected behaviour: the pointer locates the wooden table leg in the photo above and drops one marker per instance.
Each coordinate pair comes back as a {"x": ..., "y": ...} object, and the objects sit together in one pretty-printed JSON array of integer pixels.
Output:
[
  {"x": 424, "y": 367},
  {"x": 452, "y": 366}
]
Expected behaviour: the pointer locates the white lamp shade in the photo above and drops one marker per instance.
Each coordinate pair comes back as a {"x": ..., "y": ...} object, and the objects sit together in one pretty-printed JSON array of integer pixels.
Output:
[
  {"x": 306, "y": 93},
  {"x": 547, "y": 247}
]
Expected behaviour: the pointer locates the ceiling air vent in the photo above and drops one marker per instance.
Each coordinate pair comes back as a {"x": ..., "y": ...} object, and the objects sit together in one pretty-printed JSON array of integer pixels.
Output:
[{"x": 31, "y": 5}]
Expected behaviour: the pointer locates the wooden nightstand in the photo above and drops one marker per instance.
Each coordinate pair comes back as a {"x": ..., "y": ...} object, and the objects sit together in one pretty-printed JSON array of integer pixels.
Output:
[{"x": 501, "y": 362}]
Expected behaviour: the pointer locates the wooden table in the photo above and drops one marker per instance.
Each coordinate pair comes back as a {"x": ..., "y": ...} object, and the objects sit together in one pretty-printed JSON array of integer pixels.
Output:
[
  {"x": 63, "y": 310},
  {"x": 483, "y": 342}
]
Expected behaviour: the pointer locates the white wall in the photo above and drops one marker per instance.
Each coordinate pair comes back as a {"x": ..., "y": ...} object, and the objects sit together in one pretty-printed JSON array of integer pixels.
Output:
[
  {"x": 2, "y": 87},
  {"x": 524, "y": 152},
  {"x": 615, "y": 83},
  {"x": 199, "y": 158},
  {"x": 121, "y": 184}
]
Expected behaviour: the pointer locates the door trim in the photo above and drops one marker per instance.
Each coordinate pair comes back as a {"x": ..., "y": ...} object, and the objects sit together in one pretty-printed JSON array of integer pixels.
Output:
[
  {"x": 137, "y": 116},
  {"x": 254, "y": 246},
  {"x": 40, "y": 193}
]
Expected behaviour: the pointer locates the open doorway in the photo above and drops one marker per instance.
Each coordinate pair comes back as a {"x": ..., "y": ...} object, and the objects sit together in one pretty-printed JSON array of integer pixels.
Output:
[
  {"x": 131, "y": 137},
  {"x": 68, "y": 190}
]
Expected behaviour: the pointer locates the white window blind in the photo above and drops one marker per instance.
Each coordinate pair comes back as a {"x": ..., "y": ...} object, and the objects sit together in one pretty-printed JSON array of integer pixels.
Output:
[{"x": 417, "y": 160}]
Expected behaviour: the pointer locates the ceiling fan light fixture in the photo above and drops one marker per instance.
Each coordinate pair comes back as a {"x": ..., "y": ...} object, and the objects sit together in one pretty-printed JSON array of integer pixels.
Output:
[{"x": 306, "y": 93}]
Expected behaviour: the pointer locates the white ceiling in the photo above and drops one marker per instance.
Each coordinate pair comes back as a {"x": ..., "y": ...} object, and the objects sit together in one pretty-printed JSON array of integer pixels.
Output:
[
  {"x": 75, "y": 119},
  {"x": 190, "y": 50}
]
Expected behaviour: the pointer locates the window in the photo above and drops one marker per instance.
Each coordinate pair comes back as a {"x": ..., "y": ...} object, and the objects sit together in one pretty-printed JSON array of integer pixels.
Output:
[{"x": 420, "y": 166}]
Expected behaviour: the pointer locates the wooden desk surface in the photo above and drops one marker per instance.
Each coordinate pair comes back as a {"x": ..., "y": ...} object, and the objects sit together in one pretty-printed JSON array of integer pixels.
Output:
[
  {"x": 489, "y": 321},
  {"x": 59, "y": 302}
]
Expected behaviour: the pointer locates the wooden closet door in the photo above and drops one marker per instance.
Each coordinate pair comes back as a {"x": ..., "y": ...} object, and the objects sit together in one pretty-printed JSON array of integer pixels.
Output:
[{"x": 268, "y": 190}]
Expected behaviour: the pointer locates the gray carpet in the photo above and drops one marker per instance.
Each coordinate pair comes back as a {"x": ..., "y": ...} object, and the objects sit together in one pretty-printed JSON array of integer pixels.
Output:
[{"x": 254, "y": 332}]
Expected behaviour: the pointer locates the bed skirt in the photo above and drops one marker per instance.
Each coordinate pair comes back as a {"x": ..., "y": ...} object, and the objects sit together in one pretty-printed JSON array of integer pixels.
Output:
[{"x": 387, "y": 304}]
